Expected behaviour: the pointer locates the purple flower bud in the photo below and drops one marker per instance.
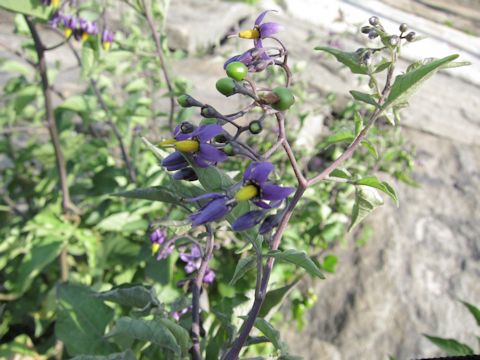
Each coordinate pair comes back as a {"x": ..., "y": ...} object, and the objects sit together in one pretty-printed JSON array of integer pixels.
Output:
[
  {"x": 185, "y": 174},
  {"x": 209, "y": 276},
  {"x": 248, "y": 220}
]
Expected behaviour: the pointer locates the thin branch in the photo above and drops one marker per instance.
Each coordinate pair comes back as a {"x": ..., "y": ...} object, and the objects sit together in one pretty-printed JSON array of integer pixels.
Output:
[{"x": 161, "y": 57}]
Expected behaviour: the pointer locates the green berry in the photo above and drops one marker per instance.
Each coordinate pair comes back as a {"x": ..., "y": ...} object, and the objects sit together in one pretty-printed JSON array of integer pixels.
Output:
[
  {"x": 285, "y": 100},
  {"x": 255, "y": 127},
  {"x": 237, "y": 70},
  {"x": 228, "y": 149},
  {"x": 182, "y": 100},
  {"x": 226, "y": 86},
  {"x": 403, "y": 27}
]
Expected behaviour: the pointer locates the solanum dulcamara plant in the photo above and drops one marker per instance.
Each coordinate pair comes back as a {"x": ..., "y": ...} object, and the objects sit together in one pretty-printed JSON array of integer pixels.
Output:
[{"x": 256, "y": 205}]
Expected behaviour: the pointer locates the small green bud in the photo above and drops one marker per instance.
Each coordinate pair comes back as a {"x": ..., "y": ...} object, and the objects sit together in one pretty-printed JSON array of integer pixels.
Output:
[
  {"x": 403, "y": 27},
  {"x": 285, "y": 100},
  {"x": 182, "y": 100},
  {"x": 255, "y": 127},
  {"x": 237, "y": 70},
  {"x": 374, "y": 21},
  {"x": 226, "y": 86},
  {"x": 410, "y": 36},
  {"x": 228, "y": 149}
]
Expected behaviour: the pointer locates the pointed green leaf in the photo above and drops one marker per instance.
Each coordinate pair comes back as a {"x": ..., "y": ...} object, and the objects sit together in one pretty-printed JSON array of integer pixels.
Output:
[
  {"x": 88, "y": 60},
  {"x": 406, "y": 84},
  {"x": 357, "y": 119},
  {"x": 81, "y": 321},
  {"x": 339, "y": 136},
  {"x": 349, "y": 59},
  {"x": 181, "y": 335},
  {"x": 156, "y": 193},
  {"x": 298, "y": 258},
  {"x": 271, "y": 333},
  {"x": 473, "y": 310},
  {"x": 27, "y": 7},
  {"x": 367, "y": 199},
  {"x": 371, "y": 149},
  {"x": 450, "y": 346},
  {"x": 126, "y": 355},
  {"x": 380, "y": 185},
  {"x": 275, "y": 297},
  {"x": 137, "y": 296},
  {"x": 341, "y": 173},
  {"x": 243, "y": 266},
  {"x": 364, "y": 97}
]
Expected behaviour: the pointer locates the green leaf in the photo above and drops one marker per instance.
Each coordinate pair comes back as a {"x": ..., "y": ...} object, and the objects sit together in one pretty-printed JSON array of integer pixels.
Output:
[
  {"x": 81, "y": 321},
  {"x": 243, "y": 266},
  {"x": 372, "y": 181},
  {"x": 274, "y": 297},
  {"x": 136, "y": 85},
  {"x": 137, "y": 296},
  {"x": 153, "y": 331},
  {"x": 329, "y": 263},
  {"x": 181, "y": 335},
  {"x": 271, "y": 333},
  {"x": 339, "y": 136},
  {"x": 122, "y": 221},
  {"x": 341, "y": 173},
  {"x": 299, "y": 258},
  {"x": 88, "y": 61},
  {"x": 473, "y": 310},
  {"x": 451, "y": 346},
  {"x": 33, "y": 263},
  {"x": 364, "y": 97},
  {"x": 13, "y": 66},
  {"x": 79, "y": 104},
  {"x": 357, "y": 119},
  {"x": 159, "y": 154},
  {"x": 27, "y": 7},
  {"x": 406, "y": 84},
  {"x": 371, "y": 149},
  {"x": 156, "y": 193},
  {"x": 349, "y": 59},
  {"x": 126, "y": 355},
  {"x": 367, "y": 199}
]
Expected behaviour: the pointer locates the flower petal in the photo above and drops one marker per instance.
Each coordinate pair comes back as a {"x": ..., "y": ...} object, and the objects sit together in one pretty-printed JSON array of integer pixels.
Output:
[
  {"x": 269, "y": 29},
  {"x": 214, "y": 210},
  {"x": 213, "y": 195},
  {"x": 206, "y": 132},
  {"x": 275, "y": 192},
  {"x": 258, "y": 172},
  {"x": 262, "y": 204},
  {"x": 174, "y": 161},
  {"x": 262, "y": 16},
  {"x": 211, "y": 153},
  {"x": 209, "y": 276},
  {"x": 248, "y": 220}
]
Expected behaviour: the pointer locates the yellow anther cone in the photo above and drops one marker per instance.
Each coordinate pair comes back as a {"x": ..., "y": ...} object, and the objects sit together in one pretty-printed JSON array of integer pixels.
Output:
[
  {"x": 68, "y": 32},
  {"x": 188, "y": 146},
  {"x": 249, "y": 34},
  {"x": 155, "y": 248},
  {"x": 84, "y": 36},
  {"x": 246, "y": 193}
]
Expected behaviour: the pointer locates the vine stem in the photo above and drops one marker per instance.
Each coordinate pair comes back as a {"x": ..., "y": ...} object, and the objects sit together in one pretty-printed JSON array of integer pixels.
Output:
[
  {"x": 67, "y": 205},
  {"x": 248, "y": 324},
  {"x": 196, "y": 291},
  {"x": 161, "y": 57}
]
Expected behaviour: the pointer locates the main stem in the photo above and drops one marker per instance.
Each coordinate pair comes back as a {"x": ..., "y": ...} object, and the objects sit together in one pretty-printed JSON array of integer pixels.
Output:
[
  {"x": 247, "y": 326},
  {"x": 161, "y": 57}
]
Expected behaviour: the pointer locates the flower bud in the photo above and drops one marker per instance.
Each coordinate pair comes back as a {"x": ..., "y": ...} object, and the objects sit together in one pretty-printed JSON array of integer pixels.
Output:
[
  {"x": 261, "y": 65},
  {"x": 186, "y": 100},
  {"x": 365, "y": 29},
  {"x": 186, "y": 127},
  {"x": 394, "y": 40},
  {"x": 229, "y": 150},
  {"x": 270, "y": 222},
  {"x": 410, "y": 36},
  {"x": 226, "y": 86},
  {"x": 372, "y": 34},
  {"x": 403, "y": 27},
  {"x": 209, "y": 112},
  {"x": 255, "y": 127},
  {"x": 374, "y": 21}
]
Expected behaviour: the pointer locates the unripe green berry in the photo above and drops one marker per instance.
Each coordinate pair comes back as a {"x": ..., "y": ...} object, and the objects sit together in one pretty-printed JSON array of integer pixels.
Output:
[
  {"x": 237, "y": 70},
  {"x": 255, "y": 127},
  {"x": 285, "y": 100},
  {"x": 182, "y": 100},
  {"x": 403, "y": 27},
  {"x": 228, "y": 149},
  {"x": 226, "y": 86}
]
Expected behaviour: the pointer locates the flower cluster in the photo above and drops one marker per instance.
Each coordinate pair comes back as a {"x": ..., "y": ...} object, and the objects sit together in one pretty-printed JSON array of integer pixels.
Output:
[{"x": 193, "y": 260}]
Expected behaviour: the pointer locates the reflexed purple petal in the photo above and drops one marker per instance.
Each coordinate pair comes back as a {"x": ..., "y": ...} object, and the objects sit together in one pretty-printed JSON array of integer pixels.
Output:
[
  {"x": 214, "y": 195},
  {"x": 174, "y": 161},
  {"x": 232, "y": 59},
  {"x": 209, "y": 276},
  {"x": 258, "y": 172},
  {"x": 248, "y": 220},
  {"x": 179, "y": 135},
  {"x": 214, "y": 210},
  {"x": 158, "y": 236},
  {"x": 200, "y": 161},
  {"x": 269, "y": 29},
  {"x": 263, "y": 54},
  {"x": 190, "y": 267},
  {"x": 275, "y": 192},
  {"x": 196, "y": 253},
  {"x": 206, "y": 132},
  {"x": 262, "y": 204},
  {"x": 211, "y": 153},
  {"x": 262, "y": 16},
  {"x": 165, "y": 251}
]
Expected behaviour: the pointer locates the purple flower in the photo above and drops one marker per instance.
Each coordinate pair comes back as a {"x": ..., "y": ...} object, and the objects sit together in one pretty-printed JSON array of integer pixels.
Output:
[
  {"x": 56, "y": 19},
  {"x": 158, "y": 236},
  {"x": 261, "y": 30},
  {"x": 195, "y": 144},
  {"x": 87, "y": 29},
  {"x": 209, "y": 276},
  {"x": 214, "y": 210},
  {"x": 194, "y": 260},
  {"x": 107, "y": 39},
  {"x": 158, "y": 239},
  {"x": 178, "y": 314}
]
